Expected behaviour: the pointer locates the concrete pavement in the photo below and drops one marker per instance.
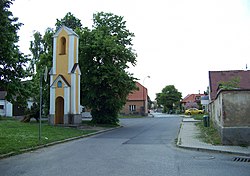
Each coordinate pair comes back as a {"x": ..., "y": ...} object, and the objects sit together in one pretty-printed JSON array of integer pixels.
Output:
[{"x": 188, "y": 138}]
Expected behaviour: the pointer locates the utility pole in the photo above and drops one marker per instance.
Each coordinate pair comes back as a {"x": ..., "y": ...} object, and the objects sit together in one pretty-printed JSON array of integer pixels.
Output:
[
  {"x": 41, "y": 97},
  {"x": 40, "y": 114}
]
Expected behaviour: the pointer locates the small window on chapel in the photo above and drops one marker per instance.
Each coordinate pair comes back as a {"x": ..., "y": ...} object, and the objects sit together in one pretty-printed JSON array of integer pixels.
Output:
[
  {"x": 62, "y": 46},
  {"x": 59, "y": 84}
]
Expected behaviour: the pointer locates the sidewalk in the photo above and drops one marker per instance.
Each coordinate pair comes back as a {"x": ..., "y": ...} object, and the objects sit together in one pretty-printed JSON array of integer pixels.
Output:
[{"x": 187, "y": 138}]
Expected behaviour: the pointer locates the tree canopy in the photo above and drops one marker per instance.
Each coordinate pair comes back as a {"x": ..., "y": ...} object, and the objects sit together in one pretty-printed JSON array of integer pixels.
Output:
[
  {"x": 168, "y": 98},
  {"x": 41, "y": 49},
  {"x": 70, "y": 21},
  {"x": 12, "y": 61},
  {"x": 105, "y": 53}
]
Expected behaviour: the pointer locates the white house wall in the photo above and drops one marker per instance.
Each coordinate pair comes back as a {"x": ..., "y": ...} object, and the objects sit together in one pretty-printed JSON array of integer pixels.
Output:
[
  {"x": 2, "y": 111},
  {"x": 30, "y": 103},
  {"x": 7, "y": 110}
]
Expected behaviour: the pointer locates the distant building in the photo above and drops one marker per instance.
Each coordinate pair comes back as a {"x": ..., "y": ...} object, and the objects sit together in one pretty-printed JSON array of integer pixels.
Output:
[
  {"x": 137, "y": 102},
  {"x": 6, "y": 108},
  {"x": 191, "y": 101},
  {"x": 205, "y": 102}
]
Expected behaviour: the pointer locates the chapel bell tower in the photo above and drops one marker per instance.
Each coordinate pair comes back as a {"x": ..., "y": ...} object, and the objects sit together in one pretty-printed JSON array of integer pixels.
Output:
[{"x": 65, "y": 79}]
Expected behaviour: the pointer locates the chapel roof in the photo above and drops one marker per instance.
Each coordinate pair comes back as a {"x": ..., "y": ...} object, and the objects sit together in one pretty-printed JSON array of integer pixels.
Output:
[{"x": 67, "y": 29}]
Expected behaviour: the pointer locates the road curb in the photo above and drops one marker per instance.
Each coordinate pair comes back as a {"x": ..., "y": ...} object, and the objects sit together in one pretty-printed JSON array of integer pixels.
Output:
[
  {"x": 179, "y": 144},
  {"x": 57, "y": 142},
  {"x": 212, "y": 150}
]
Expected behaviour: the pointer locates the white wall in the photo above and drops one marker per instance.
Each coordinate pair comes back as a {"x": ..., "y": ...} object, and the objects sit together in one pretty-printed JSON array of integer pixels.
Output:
[
  {"x": 2, "y": 111},
  {"x": 7, "y": 110},
  {"x": 205, "y": 104}
]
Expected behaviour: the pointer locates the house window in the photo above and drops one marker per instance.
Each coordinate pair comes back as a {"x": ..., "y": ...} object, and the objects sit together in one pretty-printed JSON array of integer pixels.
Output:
[
  {"x": 1, "y": 106},
  {"x": 59, "y": 84},
  {"x": 198, "y": 98},
  {"x": 62, "y": 46},
  {"x": 132, "y": 108}
]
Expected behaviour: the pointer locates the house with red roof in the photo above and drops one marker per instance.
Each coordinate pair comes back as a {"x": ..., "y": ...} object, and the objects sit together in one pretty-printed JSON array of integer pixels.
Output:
[
  {"x": 137, "y": 102},
  {"x": 191, "y": 101}
]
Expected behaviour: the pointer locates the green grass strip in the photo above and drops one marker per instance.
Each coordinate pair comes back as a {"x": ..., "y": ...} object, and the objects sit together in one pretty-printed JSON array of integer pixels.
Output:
[
  {"x": 16, "y": 135},
  {"x": 209, "y": 134}
]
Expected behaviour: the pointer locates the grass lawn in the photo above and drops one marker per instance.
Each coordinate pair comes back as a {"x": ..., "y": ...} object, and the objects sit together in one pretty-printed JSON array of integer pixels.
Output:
[
  {"x": 198, "y": 116},
  {"x": 16, "y": 135},
  {"x": 208, "y": 134}
]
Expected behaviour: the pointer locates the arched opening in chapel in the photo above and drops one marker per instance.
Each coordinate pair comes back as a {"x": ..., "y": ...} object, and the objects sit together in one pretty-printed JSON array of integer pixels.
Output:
[{"x": 62, "y": 46}]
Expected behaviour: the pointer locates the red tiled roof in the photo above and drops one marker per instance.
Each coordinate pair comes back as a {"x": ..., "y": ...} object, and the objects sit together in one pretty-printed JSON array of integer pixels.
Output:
[
  {"x": 216, "y": 76},
  {"x": 191, "y": 98},
  {"x": 138, "y": 94}
]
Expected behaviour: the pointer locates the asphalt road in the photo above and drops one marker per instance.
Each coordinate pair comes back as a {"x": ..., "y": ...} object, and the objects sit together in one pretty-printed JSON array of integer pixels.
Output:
[{"x": 143, "y": 147}]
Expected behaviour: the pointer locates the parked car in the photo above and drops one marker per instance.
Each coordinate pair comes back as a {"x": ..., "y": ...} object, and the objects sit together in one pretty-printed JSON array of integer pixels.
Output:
[{"x": 192, "y": 111}]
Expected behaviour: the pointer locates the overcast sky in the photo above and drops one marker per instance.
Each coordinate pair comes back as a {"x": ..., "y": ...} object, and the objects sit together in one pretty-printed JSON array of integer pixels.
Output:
[{"x": 177, "y": 41}]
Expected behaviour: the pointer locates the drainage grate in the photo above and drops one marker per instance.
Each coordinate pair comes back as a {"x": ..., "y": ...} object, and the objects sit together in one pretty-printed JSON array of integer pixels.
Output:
[{"x": 240, "y": 159}]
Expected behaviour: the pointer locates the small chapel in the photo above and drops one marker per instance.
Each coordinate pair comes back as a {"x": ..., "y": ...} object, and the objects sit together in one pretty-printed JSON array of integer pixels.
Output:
[{"x": 65, "y": 79}]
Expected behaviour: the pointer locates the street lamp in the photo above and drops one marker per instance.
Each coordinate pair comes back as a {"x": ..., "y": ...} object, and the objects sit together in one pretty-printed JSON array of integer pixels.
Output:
[{"x": 144, "y": 100}]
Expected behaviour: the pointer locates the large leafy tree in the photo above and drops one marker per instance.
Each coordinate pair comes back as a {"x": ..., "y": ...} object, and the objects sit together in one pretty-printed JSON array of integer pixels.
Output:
[
  {"x": 70, "y": 21},
  {"x": 41, "y": 49},
  {"x": 12, "y": 61},
  {"x": 46, "y": 61},
  {"x": 105, "y": 53},
  {"x": 168, "y": 97},
  {"x": 36, "y": 48}
]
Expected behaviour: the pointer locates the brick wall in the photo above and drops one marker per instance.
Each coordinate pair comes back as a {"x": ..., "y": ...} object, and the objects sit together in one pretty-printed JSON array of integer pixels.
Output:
[{"x": 138, "y": 104}]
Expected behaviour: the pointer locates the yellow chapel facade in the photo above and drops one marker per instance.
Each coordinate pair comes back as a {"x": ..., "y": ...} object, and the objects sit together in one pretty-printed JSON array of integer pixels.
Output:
[{"x": 65, "y": 79}]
